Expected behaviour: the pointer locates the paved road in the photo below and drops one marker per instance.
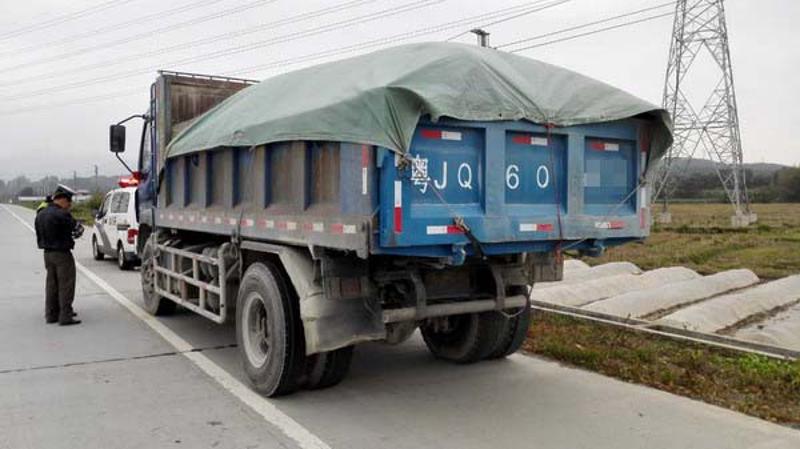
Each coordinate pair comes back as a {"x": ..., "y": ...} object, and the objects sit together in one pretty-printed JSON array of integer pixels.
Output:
[{"x": 114, "y": 382}]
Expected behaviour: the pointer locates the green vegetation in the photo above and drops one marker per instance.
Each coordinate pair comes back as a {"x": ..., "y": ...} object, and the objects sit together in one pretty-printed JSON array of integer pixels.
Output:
[
  {"x": 81, "y": 211},
  {"x": 751, "y": 384},
  {"x": 767, "y": 183},
  {"x": 700, "y": 237}
]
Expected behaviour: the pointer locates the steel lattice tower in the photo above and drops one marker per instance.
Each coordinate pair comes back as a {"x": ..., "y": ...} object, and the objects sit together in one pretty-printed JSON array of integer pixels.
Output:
[{"x": 711, "y": 127}]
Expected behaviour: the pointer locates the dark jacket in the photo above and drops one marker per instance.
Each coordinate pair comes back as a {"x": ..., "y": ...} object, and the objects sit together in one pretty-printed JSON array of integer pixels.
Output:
[{"x": 54, "y": 227}]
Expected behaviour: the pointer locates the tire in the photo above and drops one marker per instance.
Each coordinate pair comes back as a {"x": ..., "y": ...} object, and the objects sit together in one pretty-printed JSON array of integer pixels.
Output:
[
  {"x": 471, "y": 337},
  {"x": 513, "y": 334},
  {"x": 269, "y": 331},
  {"x": 154, "y": 304},
  {"x": 327, "y": 369},
  {"x": 122, "y": 262},
  {"x": 96, "y": 253}
]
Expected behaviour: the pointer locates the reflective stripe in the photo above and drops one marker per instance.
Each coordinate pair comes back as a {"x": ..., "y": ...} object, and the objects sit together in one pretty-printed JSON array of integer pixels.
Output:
[
  {"x": 440, "y": 135},
  {"x": 604, "y": 146},
  {"x": 535, "y": 227},
  {"x": 364, "y": 169},
  {"x": 440, "y": 230},
  {"x": 398, "y": 207},
  {"x": 525, "y": 139},
  {"x": 609, "y": 224}
]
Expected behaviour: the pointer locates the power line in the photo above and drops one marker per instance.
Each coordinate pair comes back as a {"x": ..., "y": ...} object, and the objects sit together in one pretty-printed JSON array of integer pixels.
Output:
[
  {"x": 392, "y": 39},
  {"x": 113, "y": 27},
  {"x": 239, "y": 49},
  {"x": 516, "y": 16},
  {"x": 184, "y": 45},
  {"x": 589, "y": 33},
  {"x": 384, "y": 40},
  {"x": 191, "y": 44},
  {"x": 62, "y": 19},
  {"x": 586, "y": 25},
  {"x": 143, "y": 35},
  {"x": 309, "y": 57}
]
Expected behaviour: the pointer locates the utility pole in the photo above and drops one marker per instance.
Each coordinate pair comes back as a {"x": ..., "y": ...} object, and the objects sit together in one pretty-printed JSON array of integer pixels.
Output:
[
  {"x": 708, "y": 124},
  {"x": 74, "y": 180},
  {"x": 483, "y": 36},
  {"x": 96, "y": 184}
]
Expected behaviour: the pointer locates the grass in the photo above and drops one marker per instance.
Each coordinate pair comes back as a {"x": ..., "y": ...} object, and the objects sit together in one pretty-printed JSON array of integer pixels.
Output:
[
  {"x": 759, "y": 386},
  {"x": 701, "y": 238}
]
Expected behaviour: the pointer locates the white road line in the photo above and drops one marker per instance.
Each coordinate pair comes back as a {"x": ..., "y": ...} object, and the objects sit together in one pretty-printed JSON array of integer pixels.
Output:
[{"x": 291, "y": 428}]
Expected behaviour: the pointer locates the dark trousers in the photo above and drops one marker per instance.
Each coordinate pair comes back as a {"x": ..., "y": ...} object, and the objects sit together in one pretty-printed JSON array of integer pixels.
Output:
[{"x": 60, "y": 287}]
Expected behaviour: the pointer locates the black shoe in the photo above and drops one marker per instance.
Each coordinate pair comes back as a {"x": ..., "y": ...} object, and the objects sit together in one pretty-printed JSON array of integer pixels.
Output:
[
  {"x": 74, "y": 314},
  {"x": 69, "y": 323},
  {"x": 51, "y": 321}
]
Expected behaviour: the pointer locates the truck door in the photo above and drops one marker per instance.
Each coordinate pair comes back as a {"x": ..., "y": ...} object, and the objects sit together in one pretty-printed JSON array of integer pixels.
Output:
[{"x": 101, "y": 224}]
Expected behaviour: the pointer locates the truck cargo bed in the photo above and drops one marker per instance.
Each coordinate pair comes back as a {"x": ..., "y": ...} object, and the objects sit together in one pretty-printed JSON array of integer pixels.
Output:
[{"x": 494, "y": 187}]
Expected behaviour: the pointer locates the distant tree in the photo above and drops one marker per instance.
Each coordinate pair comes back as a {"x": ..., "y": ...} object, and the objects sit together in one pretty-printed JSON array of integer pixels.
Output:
[
  {"x": 26, "y": 191},
  {"x": 787, "y": 185}
]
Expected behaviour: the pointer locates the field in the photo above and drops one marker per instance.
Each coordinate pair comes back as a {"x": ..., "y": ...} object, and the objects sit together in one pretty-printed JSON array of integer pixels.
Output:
[
  {"x": 700, "y": 237},
  {"x": 751, "y": 384}
]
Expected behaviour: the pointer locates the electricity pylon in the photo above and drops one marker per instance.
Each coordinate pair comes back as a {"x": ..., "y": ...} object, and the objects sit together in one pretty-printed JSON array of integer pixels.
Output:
[{"x": 711, "y": 127}]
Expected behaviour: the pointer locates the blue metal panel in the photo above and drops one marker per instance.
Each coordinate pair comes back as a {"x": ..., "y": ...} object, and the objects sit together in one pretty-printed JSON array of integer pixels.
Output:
[
  {"x": 535, "y": 173},
  {"x": 527, "y": 191},
  {"x": 609, "y": 176}
]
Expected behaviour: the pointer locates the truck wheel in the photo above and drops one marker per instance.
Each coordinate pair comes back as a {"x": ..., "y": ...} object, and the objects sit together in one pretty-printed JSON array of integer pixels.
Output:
[
  {"x": 154, "y": 304},
  {"x": 515, "y": 327},
  {"x": 327, "y": 369},
  {"x": 269, "y": 331},
  {"x": 466, "y": 339},
  {"x": 513, "y": 334},
  {"x": 96, "y": 252}
]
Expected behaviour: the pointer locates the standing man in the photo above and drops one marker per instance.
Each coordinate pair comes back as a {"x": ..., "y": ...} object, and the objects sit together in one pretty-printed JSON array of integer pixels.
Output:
[{"x": 55, "y": 229}]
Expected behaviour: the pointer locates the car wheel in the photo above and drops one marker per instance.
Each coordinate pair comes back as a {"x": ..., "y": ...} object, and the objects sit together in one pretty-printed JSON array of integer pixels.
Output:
[
  {"x": 96, "y": 253},
  {"x": 122, "y": 262}
]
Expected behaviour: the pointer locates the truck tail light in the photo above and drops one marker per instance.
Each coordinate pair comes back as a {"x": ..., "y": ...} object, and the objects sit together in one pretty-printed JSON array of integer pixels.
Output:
[{"x": 132, "y": 233}]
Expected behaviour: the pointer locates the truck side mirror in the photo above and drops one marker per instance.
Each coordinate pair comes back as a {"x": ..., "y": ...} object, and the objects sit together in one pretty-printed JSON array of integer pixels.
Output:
[{"x": 117, "y": 138}]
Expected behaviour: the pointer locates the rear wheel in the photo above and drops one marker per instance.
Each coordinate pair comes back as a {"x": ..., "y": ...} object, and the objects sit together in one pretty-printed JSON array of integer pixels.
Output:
[
  {"x": 327, "y": 369},
  {"x": 154, "y": 303},
  {"x": 464, "y": 338},
  {"x": 269, "y": 331},
  {"x": 96, "y": 252},
  {"x": 122, "y": 262},
  {"x": 515, "y": 329}
]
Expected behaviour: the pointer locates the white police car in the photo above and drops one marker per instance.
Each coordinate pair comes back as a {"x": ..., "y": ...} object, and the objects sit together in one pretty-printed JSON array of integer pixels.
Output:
[{"x": 115, "y": 227}]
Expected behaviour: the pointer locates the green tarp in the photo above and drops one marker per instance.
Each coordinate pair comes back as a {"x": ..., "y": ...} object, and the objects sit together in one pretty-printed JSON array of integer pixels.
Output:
[{"x": 378, "y": 98}]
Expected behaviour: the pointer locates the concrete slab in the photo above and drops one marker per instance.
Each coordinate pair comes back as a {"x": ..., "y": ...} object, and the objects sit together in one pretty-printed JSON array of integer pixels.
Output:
[
  {"x": 726, "y": 310},
  {"x": 575, "y": 264},
  {"x": 592, "y": 273},
  {"x": 149, "y": 403},
  {"x": 644, "y": 302},
  {"x": 582, "y": 293},
  {"x": 781, "y": 330}
]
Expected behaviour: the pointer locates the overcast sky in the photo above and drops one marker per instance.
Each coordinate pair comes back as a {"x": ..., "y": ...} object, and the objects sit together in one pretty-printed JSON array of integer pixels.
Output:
[{"x": 59, "y": 91}]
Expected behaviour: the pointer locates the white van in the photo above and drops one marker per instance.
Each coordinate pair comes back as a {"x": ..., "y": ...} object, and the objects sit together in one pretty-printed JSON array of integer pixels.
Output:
[{"x": 116, "y": 229}]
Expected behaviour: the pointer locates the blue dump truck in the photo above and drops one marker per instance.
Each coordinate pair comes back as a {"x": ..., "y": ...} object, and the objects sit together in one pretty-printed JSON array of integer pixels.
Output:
[{"x": 425, "y": 186}]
